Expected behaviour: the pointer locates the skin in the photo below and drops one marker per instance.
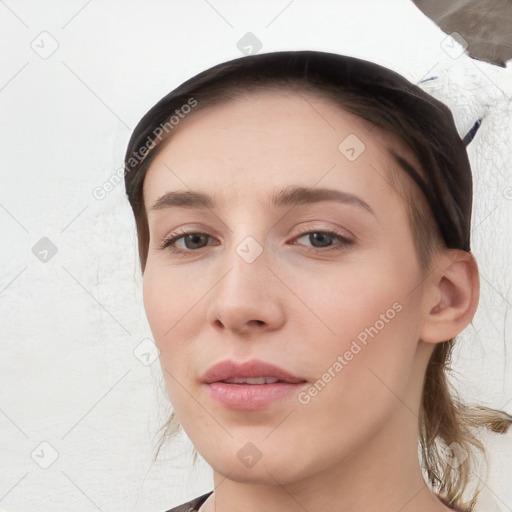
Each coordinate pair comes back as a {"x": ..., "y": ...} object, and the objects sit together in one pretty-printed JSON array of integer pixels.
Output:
[{"x": 353, "y": 447}]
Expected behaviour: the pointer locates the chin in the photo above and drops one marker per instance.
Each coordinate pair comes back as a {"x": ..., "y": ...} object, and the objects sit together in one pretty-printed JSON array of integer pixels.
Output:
[
  {"x": 260, "y": 474},
  {"x": 236, "y": 464}
]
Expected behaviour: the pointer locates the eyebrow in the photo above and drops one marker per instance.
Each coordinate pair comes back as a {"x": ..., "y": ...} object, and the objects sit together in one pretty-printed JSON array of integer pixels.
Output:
[{"x": 291, "y": 196}]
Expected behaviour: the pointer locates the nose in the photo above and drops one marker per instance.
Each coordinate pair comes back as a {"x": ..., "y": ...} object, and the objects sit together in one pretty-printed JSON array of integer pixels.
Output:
[{"x": 248, "y": 298}]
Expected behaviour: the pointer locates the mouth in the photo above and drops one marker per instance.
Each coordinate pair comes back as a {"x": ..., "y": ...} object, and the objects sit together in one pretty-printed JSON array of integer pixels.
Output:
[
  {"x": 250, "y": 372},
  {"x": 251, "y": 385},
  {"x": 252, "y": 380}
]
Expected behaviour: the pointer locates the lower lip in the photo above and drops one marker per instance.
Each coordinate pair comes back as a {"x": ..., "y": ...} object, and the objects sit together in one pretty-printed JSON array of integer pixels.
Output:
[{"x": 250, "y": 397}]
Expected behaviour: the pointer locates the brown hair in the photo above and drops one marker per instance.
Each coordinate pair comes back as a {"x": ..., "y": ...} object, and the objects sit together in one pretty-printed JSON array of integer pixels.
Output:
[{"x": 448, "y": 428}]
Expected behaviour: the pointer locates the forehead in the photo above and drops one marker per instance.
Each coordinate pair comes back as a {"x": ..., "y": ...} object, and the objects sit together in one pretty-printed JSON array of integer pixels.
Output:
[{"x": 265, "y": 140}]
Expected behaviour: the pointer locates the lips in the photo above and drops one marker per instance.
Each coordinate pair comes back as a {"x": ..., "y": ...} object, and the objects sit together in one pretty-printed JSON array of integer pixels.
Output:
[
  {"x": 250, "y": 386},
  {"x": 235, "y": 373}
]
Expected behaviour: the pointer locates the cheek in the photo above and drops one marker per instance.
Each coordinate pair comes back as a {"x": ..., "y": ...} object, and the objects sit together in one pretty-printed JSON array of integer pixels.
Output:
[
  {"x": 372, "y": 319},
  {"x": 346, "y": 301},
  {"x": 358, "y": 373},
  {"x": 170, "y": 297},
  {"x": 168, "y": 308},
  {"x": 171, "y": 303},
  {"x": 157, "y": 305}
]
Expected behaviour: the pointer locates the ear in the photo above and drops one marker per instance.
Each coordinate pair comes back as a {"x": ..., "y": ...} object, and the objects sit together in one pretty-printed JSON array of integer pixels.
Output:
[{"x": 451, "y": 296}]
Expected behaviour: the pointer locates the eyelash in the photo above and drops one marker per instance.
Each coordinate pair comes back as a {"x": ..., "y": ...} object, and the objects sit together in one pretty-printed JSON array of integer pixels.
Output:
[{"x": 177, "y": 235}]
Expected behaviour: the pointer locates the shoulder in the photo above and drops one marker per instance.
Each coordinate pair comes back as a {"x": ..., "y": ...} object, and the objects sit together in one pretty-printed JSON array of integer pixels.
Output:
[{"x": 191, "y": 506}]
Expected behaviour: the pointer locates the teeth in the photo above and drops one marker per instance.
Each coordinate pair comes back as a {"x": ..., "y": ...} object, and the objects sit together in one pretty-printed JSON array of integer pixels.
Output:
[{"x": 251, "y": 380}]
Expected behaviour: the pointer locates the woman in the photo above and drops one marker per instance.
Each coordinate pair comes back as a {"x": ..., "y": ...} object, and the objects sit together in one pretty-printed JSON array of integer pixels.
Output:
[{"x": 303, "y": 224}]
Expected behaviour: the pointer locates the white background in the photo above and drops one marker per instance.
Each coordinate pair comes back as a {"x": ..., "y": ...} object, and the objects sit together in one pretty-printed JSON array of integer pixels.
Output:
[{"x": 69, "y": 377}]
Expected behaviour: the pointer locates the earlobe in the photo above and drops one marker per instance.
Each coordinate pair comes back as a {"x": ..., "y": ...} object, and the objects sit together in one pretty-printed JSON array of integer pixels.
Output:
[{"x": 454, "y": 288}]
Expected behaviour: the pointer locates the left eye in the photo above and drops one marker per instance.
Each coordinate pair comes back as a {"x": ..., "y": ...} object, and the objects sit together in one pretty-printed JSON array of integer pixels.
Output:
[{"x": 324, "y": 239}]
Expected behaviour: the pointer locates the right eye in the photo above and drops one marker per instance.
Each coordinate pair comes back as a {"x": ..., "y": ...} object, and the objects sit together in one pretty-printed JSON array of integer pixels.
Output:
[{"x": 191, "y": 239}]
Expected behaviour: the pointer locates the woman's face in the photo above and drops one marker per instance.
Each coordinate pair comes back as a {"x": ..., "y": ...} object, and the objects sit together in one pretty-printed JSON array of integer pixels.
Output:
[{"x": 341, "y": 313}]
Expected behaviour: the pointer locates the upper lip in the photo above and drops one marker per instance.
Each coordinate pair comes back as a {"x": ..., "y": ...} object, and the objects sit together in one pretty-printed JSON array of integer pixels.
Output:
[{"x": 254, "y": 368}]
